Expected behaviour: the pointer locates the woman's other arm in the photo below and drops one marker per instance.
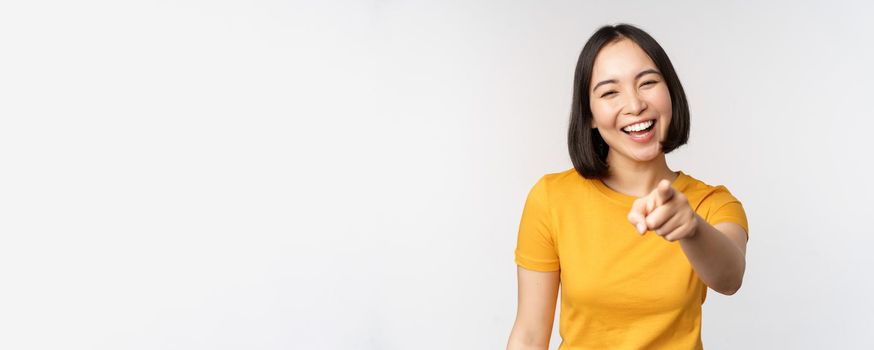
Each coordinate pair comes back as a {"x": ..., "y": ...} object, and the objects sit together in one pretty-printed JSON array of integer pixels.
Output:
[{"x": 535, "y": 313}]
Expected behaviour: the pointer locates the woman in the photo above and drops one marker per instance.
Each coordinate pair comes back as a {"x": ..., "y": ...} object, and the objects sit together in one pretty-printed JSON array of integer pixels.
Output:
[{"x": 634, "y": 244}]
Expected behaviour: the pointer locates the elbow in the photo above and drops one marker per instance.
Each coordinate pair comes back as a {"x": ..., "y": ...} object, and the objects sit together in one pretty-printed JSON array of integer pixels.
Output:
[
  {"x": 519, "y": 343},
  {"x": 729, "y": 289},
  {"x": 522, "y": 346},
  {"x": 522, "y": 340},
  {"x": 728, "y": 292},
  {"x": 732, "y": 282}
]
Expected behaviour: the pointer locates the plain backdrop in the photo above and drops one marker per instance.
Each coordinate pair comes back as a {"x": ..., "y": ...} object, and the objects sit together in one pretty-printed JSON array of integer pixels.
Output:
[{"x": 351, "y": 175}]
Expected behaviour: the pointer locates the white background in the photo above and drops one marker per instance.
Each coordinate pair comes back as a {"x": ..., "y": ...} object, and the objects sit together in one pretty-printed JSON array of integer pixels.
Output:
[{"x": 350, "y": 175}]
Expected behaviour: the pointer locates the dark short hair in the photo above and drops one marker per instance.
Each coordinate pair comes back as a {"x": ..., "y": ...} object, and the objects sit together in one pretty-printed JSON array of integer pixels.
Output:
[{"x": 588, "y": 151}]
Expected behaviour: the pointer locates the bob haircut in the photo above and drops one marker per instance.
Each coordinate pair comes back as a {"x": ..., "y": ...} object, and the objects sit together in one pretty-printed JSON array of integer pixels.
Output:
[{"x": 588, "y": 151}]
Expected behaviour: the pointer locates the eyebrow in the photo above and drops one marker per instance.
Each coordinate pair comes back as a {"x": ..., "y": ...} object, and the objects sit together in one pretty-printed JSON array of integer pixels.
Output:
[{"x": 613, "y": 81}]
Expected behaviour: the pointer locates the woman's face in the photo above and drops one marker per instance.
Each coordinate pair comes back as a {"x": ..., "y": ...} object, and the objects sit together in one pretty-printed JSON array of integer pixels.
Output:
[{"x": 627, "y": 89}]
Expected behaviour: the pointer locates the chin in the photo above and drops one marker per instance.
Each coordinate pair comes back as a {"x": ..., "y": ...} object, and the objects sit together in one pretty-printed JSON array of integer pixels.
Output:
[{"x": 646, "y": 155}]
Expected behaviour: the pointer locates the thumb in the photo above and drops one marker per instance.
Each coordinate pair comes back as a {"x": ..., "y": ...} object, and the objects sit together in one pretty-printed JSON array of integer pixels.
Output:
[{"x": 637, "y": 215}]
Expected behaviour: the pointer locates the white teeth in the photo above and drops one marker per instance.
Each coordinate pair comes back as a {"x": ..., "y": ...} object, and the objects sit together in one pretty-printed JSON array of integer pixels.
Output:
[{"x": 638, "y": 126}]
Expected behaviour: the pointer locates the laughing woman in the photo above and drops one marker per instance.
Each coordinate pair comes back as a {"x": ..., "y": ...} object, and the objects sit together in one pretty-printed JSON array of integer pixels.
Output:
[{"x": 633, "y": 244}]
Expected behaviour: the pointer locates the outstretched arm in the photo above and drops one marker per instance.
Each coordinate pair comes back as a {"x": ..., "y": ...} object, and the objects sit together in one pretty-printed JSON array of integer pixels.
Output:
[
  {"x": 716, "y": 252},
  {"x": 718, "y": 255}
]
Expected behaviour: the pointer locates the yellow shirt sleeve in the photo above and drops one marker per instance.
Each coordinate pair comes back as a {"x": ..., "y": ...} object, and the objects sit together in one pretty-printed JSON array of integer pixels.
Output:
[
  {"x": 724, "y": 207},
  {"x": 535, "y": 247}
]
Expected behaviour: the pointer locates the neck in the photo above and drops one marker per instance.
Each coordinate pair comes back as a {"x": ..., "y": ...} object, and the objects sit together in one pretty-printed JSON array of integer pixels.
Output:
[{"x": 636, "y": 178}]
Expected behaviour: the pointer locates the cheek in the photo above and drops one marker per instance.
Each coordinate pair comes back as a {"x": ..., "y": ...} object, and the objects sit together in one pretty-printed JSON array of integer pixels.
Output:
[
  {"x": 602, "y": 114},
  {"x": 661, "y": 100}
]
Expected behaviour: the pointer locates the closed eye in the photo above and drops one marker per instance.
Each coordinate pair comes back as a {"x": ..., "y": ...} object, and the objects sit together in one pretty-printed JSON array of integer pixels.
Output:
[{"x": 613, "y": 92}]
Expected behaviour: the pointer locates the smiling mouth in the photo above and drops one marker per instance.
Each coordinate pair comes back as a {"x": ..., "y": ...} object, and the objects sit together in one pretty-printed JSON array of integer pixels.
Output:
[{"x": 641, "y": 132}]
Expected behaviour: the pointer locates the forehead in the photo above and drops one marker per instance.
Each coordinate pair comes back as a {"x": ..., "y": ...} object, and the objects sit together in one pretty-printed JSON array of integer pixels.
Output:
[{"x": 620, "y": 60}]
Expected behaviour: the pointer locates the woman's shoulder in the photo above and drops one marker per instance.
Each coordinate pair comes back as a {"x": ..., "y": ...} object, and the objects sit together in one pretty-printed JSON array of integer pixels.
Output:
[
  {"x": 699, "y": 191},
  {"x": 565, "y": 184},
  {"x": 562, "y": 179},
  {"x": 563, "y": 175},
  {"x": 693, "y": 183}
]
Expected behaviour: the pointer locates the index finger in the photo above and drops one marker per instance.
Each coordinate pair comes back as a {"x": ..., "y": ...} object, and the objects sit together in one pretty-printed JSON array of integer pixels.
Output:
[{"x": 664, "y": 192}]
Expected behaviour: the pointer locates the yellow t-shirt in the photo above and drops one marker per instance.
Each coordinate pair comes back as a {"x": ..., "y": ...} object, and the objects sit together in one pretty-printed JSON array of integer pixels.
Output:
[{"x": 619, "y": 290}]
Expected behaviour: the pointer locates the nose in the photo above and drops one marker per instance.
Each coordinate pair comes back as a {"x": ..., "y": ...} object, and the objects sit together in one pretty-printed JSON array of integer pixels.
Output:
[{"x": 635, "y": 104}]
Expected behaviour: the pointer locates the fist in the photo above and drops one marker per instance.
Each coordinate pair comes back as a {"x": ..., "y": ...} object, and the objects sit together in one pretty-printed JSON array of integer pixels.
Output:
[{"x": 665, "y": 211}]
